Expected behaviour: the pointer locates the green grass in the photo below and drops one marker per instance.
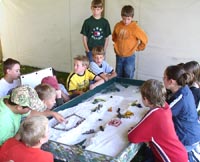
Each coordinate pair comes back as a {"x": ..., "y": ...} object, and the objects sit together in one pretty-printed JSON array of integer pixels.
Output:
[{"x": 61, "y": 76}]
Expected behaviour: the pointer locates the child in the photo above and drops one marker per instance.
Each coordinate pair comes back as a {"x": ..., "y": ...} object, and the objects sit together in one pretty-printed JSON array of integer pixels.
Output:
[
  {"x": 183, "y": 107},
  {"x": 78, "y": 81},
  {"x": 193, "y": 67},
  {"x": 48, "y": 94},
  {"x": 95, "y": 29},
  {"x": 33, "y": 133},
  {"x": 156, "y": 127},
  {"x": 99, "y": 66},
  {"x": 18, "y": 105},
  {"x": 128, "y": 38},
  {"x": 61, "y": 96},
  {"x": 11, "y": 70},
  {"x": 65, "y": 94},
  {"x": 12, "y": 109}
]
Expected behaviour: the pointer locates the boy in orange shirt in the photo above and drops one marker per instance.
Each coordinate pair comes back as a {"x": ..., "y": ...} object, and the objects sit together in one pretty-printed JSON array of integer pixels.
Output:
[{"x": 128, "y": 37}]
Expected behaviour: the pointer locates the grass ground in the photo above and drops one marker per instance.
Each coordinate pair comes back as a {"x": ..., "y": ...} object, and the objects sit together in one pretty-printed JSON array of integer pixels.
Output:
[{"x": 61, "y": 76}]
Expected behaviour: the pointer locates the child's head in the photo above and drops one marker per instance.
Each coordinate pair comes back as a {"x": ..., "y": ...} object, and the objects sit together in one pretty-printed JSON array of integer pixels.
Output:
[
  {"x": 194, "y": 68},
  {"x": 81, "y": 63},
  {"x": 127, "y": 14},
  {"x": 11, "y": 67},
  {"x": 47, "y": 94},
  {"x": 153, "y": 93},
  {"x": 175, "y": 76},
  {"x": 52, "y": 81},
  {"x": 98, "y": 55},
  {"x": 25, "y": 98},
  {"x": 97, "y": 7},
  {"x": 34, "y": 130}
]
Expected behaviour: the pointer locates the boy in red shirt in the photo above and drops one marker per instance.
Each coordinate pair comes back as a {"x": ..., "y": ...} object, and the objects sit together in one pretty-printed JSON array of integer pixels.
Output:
[
  {"x": 26, "y": 145},
  {"x": 157, "y": 128}
]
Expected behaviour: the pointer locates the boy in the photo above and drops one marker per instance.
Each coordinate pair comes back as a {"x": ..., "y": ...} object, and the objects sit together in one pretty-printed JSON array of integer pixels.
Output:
[
  {"x": 128, "y": 38},
  {"x": 156, "y": 127},
  {"x": 61, "y": 96},
  {"x": 95, "y": 29},
  {"x": 99, "y": 66},
  {"x": 11, "y": 70},
  {"x": 32, "y": 134},
  {"x": 49, "y": 95},
  {"x": 78, "y": 81},
  {"x": 18, "y": 105}
]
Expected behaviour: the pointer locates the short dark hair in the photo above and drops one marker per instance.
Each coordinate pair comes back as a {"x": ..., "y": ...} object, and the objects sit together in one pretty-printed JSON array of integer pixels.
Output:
[
  {"x": 8, "y": 64},
  {"x": 127, "y": 11},
  {"x": 97, "y": 3},
  {"x": 98, "y": 50}
]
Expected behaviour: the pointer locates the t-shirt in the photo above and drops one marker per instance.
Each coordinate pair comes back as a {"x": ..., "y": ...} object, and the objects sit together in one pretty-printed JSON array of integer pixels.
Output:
[
  {"x": 9, "y": 122},
  {"x": 6, "y": 87},
  {"x": 17, "y": 151},
  {"x": 157, "y": 128},
  {"x": 81, "y": 83},
  {"x": 96, "y": 31},
  {"x": 104, "y": 68}
]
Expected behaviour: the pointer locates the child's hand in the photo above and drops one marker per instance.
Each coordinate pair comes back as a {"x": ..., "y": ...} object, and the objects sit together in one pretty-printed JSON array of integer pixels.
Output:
[
  {"x": 92, "y": 86},
  {"x": 58, "y": 117}
]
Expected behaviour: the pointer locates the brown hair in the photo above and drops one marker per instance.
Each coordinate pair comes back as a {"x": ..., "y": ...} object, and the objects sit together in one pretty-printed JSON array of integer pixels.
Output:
[
  {"x": 97, "y": 3},
  {"x": 194, "y": 68},
  {"x": 99, "y": 50},
  {"x": 154, "y": 91},
  {"x": 127, "y": 11},
  {"x": 8, "y": 64},
  {"x": 177, "y": 73}
]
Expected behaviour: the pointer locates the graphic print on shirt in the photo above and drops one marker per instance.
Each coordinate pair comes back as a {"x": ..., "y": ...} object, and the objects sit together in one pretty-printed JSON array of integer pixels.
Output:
[
  {"x": 97, "y": 33},
  {"x": 83, "y": 86},
  {"x": 123, "y": 34}
]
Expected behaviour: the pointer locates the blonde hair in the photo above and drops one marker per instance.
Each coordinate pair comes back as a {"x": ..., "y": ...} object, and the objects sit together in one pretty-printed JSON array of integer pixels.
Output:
[
  {"x": 45, "y": 91},
  {"x": 32, "y": 129},
  {"x": 83, "y": 59},
  {"x": 99, "y": 50}
]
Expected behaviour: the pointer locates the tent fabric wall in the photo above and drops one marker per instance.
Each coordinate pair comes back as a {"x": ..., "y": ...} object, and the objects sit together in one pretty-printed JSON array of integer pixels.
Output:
[{"x": 47, "y": 33}]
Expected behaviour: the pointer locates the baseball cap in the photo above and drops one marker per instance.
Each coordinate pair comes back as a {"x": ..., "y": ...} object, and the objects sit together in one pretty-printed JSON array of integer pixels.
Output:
[
  {"x": 51, "y": 80},
  {"x": 26, "y": 96}
]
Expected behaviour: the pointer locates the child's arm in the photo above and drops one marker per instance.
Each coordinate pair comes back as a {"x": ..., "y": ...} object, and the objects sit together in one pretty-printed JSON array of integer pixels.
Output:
[
  {"x": 111, "y": 75},
  {"x": 85, "y": 43},
  {"x": 108, "y": 76},
  {"x": 98, "y": 81},
  {"x": 104, "y": 76},
  {"x": 106, "y": 43},
  {"x": 143, "y": 39},
  {"x": 49, "y": 113}
]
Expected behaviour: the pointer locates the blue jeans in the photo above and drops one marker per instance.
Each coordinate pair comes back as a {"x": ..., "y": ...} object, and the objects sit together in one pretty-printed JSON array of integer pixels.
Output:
[
  {"x": 125, "y": 66},
  {"x": 89, "y": 55}
]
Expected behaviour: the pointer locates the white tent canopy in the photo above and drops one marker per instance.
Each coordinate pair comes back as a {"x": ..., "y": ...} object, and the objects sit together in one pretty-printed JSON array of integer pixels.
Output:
[{"x": 46, "y": 33}]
